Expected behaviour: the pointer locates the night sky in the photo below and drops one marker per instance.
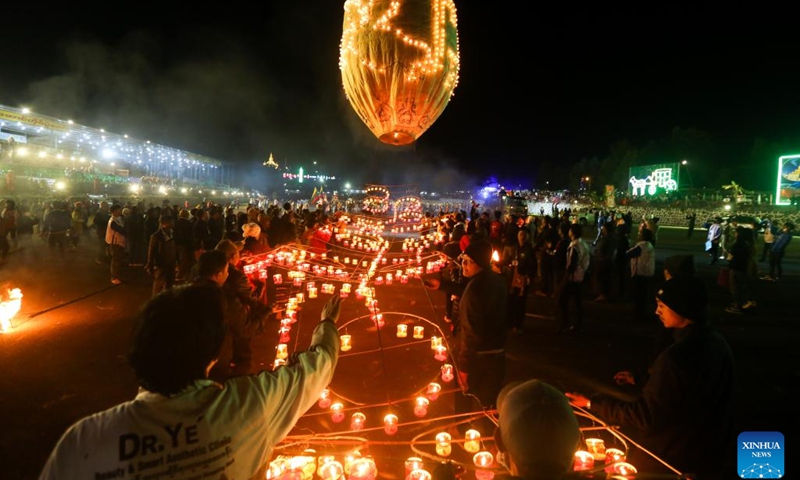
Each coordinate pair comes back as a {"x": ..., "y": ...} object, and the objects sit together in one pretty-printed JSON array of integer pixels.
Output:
[{"x": 540, "y": 86}]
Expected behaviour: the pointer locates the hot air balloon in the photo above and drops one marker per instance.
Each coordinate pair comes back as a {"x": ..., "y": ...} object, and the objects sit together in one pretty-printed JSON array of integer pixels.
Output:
[{"x": 399, "y": 61}]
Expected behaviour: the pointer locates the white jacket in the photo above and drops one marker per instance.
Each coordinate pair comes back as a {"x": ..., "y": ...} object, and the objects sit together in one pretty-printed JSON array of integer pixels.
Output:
[{"x": 223, "y": 431}]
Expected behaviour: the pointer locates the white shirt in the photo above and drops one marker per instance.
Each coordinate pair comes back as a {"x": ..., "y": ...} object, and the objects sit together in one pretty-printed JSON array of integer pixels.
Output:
[{"x": 223, "y": 431}]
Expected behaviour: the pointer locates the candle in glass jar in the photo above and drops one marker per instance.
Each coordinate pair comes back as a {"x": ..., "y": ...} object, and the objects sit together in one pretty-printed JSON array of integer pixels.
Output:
[
  {"x": 597, "y": 448},
  {"x": 390, "y": 424},
  {"x": 389, "y": 278},
  {"x": 346, "y": 287},
  {"x": 483, "y": 459},
  {"x": 324, "y": 398},
  {"x": 282, "y": 351},
  {"x": 312, "y": 292},
  {"x": 337, "y": 412},
  {"x": 357, "y": 421},
  {"x": 623, "y": 468},
  {"x": 419, "y": 474},
  {"x": 402, "y": 330},
  {"x": 413, "y": 463},
  {"x": 421, "y": 406},
  {"x": 433, "y": 391},
  {"x": 615, "y": 455},
  {"x": 472, "y": 441},
  {"x": 332, "y": 470},
  {"x": 362, "y": 469},
  {"x": 436, "y": 342},
  {"x": 277, "y": 279},
  {"x": 440, "y": 353},
  {"x": 583, "y": 461},
  {"x": 443, "y": 446},
  {"x": 345, "y": 342},
  {"x": 300, "y": 297},
  {"x": 419, "y": 332},
  {"x": 447, "y": 373}
]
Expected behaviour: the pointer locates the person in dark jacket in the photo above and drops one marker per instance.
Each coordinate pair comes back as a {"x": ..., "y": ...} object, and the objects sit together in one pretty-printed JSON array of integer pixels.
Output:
[
  {"x": 777, "y": 252},
  {"x": 685, "y": 414},
  {"x": 162, "y": 256},
  {"x": 522, "y": 269},
  {"x": 740, "y": 258},
  {"x": 479, "y": 347},
  {"x": 55, "y": 225}
]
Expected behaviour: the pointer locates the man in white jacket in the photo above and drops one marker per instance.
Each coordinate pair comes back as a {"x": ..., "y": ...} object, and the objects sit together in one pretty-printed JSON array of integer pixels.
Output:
[
  {"x": 576, "y": 270},
  {"x": 181, "y": 424}
]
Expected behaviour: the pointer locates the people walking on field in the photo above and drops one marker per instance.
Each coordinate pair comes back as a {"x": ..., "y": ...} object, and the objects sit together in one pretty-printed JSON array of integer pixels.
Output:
[
  {"x": 741, "y": 264},
  {"x": 117, "y": 240},
  {"x": 778, "y": 251},
  {"x": 643, "y": 265},
  {"x": 714, "y": 239},
  {"x": 162, "y": 256},
  {"x": 769, "y": 239}
]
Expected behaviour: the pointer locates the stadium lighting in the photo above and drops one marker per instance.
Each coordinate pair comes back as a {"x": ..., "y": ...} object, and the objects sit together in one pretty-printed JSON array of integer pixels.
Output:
[
  {"x": 134, "y": 187},
  {"x": 108, "y": 153},
  {"x": 26, "y": 110},
  {"x": 60, "y": 185}
]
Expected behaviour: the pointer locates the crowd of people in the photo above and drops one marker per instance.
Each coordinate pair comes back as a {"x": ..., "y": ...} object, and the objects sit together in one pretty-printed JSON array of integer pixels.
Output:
[{"x": 497, "y": 262}]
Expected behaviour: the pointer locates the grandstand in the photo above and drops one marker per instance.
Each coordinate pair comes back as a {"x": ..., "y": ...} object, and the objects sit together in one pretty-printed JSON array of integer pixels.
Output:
[{"x": 42, "y": 155}]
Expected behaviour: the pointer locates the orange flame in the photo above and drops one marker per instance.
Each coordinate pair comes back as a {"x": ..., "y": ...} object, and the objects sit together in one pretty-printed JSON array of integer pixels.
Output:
[{"x": 9, "y": 307}]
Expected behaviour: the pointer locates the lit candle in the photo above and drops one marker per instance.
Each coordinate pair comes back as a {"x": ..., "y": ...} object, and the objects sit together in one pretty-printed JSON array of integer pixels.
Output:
[
  {"x": 419, "y": 332},
  {"x": 623, "y": 468},
  {"x": 583, "y": 461},
  {"x": 421, "y": 406},
  {"x": 300, "y": 298},
  {"x": 345, "y": 344},
  {"x": 297, "y": 281},
  {"x": 362, "y": 469},
  {"x": 282, "y": 351},
  {"x": 614, "y": 455},
  {"x": 284, "y": 334},
  {"x": 378, "y": 280},
  {"x": 346, "y": 287},
  {"x": 413, "y": 463},
  {"x": 447, "y": 373},
  {"x": 433, "y": 391},
  {"x": 324, "y": 398},
  {"x": 483, "y": 459},
  {"x": 419, "y": 474},
  {"x": 472, "y": 441},
  {"x": 389, "y": 278},
  {"x": 390, "y": 424},
  {"x": 402, "y": 330},
  {"x": 443, "y": 447},
  {"x": 332, "y": 470},
  {"x": 338, "y": 414},
  {"x": 436, "y": 342},
  {"x": 277, "y": 363},
  {"x": 597, "y": 448},
  {"x": 441, "y": 353},
  {"x": 310, "y": 285},
  {"x": 312, "y": 292},
  {"x": 357, "y": 421},
  {"x": 277, "y": 279}
]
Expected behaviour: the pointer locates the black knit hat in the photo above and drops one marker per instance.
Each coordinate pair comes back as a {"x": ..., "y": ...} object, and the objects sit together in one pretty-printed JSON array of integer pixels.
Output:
[
  {"x": 480, "y": 251},
  {"x": 680, "y": 265},
  {"x": 687, "y": 296}
]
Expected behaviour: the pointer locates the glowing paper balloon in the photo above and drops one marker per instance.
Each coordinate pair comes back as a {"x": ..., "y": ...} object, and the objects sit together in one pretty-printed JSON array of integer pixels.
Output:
[{"x": 399, "y": 61}]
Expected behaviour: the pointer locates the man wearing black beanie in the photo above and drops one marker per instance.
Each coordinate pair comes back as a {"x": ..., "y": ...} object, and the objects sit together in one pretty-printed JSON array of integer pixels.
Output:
[
  {"x": 685, "y": 414},
  {"x": 479, "y": 346}
]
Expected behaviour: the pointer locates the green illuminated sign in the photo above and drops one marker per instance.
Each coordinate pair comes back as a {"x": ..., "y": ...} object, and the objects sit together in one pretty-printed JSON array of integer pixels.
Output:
[{"x": 649, "y": 180}]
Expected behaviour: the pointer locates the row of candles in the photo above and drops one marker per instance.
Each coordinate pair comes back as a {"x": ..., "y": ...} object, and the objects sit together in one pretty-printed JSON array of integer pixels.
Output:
[{"x": 356, "y": 467}]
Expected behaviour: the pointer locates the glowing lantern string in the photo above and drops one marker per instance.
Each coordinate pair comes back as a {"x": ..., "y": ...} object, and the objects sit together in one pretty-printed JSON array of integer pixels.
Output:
[{"x": 399, "y": 62}]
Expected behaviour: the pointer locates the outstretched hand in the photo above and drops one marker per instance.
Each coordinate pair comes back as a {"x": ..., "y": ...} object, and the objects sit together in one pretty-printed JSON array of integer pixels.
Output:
[
  {"x": 332, "y": 309},
  {"x": 431, "y": 283}
]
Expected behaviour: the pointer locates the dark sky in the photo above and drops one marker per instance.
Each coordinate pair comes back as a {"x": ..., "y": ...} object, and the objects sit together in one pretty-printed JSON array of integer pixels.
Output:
[{"x": 238, "y": 80}]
